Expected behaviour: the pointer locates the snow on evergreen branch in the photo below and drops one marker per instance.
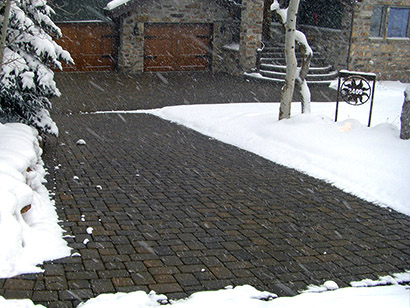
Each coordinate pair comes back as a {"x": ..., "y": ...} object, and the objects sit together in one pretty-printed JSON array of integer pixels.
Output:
[{"x": 29, "y": 53}]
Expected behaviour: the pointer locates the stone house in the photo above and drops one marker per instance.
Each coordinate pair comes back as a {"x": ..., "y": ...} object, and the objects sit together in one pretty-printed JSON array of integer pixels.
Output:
[
  {"x": 380, "y": 39},
  {"x": 367, "y": 35},
  {"x": 223, "y": 35}
]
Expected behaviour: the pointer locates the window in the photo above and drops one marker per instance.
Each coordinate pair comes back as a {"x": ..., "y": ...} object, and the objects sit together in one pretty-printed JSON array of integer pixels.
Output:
[
  {"x": 398, "y": 22},
  {"x": 392, "y": 21},
  {"x": 378, "y": 17}
]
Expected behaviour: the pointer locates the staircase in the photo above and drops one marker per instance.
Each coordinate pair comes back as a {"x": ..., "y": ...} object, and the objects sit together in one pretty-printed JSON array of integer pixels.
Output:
[{"x": 271, "y": 66}]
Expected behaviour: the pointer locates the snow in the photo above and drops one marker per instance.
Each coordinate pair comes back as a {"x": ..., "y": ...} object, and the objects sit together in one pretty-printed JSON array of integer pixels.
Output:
[
  {"x": 25, "y": 75},
  {"x": 358, "y": 73},
  {"x": 300, "y": 37},
  {"x": 35, "y": 236},
  {"x": 283, "y": 13},
  {"x": 233, "y": 46},
  {"x": 115, "y": 3}
]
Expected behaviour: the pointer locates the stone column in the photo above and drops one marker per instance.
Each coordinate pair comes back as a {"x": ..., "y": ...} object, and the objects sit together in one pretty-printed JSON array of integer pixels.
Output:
[{"x": 251, "y": 32}]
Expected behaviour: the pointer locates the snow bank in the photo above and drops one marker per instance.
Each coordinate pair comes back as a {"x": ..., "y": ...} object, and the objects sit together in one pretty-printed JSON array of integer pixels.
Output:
[{"x": 32, "y": 237}]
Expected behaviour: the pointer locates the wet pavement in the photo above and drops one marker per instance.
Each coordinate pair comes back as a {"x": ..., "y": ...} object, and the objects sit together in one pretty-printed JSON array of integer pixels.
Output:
[
  {"x": 116, "y": 91},
  {"x": 177, "y": 212}
]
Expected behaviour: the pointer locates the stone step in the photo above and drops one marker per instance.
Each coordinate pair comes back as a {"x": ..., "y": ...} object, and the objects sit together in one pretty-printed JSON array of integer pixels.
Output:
[
  {"x": 261, "y": 77},
  {"x": 282, "y": 68},
  {"x": 315, "y": 62},
  {"x": 281, "y": 54},
  {"x": 310, "y": 77}
]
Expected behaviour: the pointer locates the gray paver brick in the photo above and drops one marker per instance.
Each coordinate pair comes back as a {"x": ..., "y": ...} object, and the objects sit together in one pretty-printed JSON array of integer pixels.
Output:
[{"x": 100, "y": 286}]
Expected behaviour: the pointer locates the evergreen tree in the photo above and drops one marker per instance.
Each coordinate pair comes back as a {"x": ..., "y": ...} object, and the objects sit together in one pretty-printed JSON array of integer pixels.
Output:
[{"x": 29, "y": 52}]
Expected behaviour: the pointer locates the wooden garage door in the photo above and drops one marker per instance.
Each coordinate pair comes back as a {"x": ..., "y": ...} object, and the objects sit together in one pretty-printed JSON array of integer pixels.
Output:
[
  {"x": 177, "y": 47},
  {"x": 91, "y": 45}
]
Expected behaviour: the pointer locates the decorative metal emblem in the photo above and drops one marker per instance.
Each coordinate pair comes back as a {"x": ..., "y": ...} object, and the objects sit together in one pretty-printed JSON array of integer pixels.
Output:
[{"x": 355, "y": 90}]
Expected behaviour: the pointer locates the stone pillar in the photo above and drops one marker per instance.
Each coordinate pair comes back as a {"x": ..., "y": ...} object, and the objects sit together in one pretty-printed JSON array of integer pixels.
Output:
[{"x": 251, "y": 32}]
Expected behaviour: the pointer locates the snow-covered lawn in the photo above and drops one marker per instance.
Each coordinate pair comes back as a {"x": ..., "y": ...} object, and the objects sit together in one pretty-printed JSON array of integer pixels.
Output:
[{"x": 28, "y": 239}]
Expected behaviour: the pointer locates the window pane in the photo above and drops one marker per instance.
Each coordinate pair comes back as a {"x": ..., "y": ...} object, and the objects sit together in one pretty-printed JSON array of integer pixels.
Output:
[
  {"x": 398, "y": 22},
  {"x": 377, "y": 21}
]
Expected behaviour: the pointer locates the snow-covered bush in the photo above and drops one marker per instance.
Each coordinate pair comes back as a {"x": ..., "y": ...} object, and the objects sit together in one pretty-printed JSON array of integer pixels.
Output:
[{"x": 29, "y": 52}]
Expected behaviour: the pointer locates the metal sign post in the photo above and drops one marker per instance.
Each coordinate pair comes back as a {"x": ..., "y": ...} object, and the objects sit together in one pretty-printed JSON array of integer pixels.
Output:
[{"x": 354, "y": 88}]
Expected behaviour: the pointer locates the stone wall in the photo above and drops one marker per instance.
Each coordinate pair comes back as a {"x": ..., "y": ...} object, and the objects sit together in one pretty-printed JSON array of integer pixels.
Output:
[
  {"x": 331, "y": 44},
  {"x": 250, "y": 32},
  {"x": 230, "y": 60},
  {"x": 389, "y": 58},
  {"x": 131, "y": 50},
  {"x": 352, "y": 48}
]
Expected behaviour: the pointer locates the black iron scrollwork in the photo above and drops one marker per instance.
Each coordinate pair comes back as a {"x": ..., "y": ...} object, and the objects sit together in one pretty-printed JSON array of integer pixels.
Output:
[{"x": 355, "y": 90}]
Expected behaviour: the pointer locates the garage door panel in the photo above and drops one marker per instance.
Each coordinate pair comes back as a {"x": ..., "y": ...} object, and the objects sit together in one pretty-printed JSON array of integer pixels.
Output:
[
  {"x": 193, "y": 47},
  {"x": 177, "y": 47},
  {"x": 193, "y": 62},
  {"x": 92, "y": 46},
  {"x": 158, "y": 48},
  {"x": 159, "y": 63}
]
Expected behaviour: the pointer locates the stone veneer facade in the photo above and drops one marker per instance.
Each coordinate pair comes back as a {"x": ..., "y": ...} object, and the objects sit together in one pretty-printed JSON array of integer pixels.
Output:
[
  {"x": 332, "y": 44},
  {"x": 350, "y": 47},
  {"x": 131, "y": 50},
  {"x": 389, "y": 58},
  {"x": 250, "y": 32},
  {"x": 132, "y": 23}
]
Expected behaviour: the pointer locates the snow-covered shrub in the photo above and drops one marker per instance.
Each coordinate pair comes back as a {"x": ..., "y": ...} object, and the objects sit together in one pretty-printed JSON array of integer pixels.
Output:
[{"x": 26, "y": 78}]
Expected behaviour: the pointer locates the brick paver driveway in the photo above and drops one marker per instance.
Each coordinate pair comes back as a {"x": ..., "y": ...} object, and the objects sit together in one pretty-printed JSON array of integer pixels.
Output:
[{"x": 177, "y": 212}]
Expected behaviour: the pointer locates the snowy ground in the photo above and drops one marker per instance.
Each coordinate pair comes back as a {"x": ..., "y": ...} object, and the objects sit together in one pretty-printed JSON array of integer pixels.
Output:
[{"x": 33, "y": 237}]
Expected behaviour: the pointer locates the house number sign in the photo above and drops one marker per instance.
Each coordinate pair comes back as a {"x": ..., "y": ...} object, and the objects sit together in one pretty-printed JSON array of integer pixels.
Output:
[{"x": 356, "y": 89}]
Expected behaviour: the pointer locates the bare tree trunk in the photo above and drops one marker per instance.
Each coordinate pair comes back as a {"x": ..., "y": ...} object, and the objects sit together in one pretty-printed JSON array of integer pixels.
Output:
[
  {"x": 304, "y": 70},
  {"x": 4, "y": 30},
  {"x": 291, "y": 62},
  {"x": 405, "y": 116}
]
